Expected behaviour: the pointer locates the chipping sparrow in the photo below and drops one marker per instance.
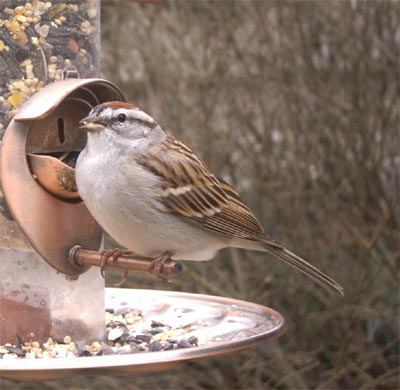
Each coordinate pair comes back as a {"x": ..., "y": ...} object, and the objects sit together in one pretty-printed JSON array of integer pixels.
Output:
[{"x": 153, "y": 195}]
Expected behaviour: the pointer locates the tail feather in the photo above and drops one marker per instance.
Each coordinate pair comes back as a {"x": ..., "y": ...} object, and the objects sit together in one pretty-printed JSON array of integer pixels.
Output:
[{"x": 305, "y": 267}]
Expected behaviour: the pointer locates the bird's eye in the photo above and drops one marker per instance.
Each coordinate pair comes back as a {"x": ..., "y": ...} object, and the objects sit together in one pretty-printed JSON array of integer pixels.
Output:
[{"x": 121, "y": 118}]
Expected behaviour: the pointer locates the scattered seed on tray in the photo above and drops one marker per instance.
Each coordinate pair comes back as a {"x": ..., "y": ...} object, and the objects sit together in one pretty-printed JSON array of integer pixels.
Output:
[{"x": 127, "y": 332}]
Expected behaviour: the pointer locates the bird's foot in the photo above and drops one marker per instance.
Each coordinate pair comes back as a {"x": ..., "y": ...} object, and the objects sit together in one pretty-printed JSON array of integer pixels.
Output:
[
  {"x": 123, "y": 279},
  {"x": 114, "y": 254},
  {"x": 157, "y": 264}
]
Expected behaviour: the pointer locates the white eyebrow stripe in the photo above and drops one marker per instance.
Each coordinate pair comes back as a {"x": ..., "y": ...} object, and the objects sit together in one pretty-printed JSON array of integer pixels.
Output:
[
  {"x": 141, "y": 116},
  {"x": 106, "y": 113}
]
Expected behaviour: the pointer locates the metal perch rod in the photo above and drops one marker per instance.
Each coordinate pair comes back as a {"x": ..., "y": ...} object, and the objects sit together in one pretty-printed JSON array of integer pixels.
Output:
[{"x": 81, "y": 257}]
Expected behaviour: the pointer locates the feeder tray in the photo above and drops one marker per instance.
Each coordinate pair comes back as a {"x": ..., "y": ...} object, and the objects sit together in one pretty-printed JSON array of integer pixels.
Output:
[{"x": 222, "y": 325}]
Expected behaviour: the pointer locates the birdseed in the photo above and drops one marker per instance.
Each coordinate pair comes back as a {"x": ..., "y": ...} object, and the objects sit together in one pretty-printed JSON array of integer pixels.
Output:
[
  {"x": 127, "y": 332},
  {"x": 51, "y": 35}
]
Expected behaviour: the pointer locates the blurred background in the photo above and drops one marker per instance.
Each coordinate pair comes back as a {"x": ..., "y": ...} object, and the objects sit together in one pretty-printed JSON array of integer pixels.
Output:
[{"x": 297, "y": 105}]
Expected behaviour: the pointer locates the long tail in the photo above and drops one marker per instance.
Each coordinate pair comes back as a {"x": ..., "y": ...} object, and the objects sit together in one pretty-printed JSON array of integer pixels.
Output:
[{"x": 305, "y": 267}]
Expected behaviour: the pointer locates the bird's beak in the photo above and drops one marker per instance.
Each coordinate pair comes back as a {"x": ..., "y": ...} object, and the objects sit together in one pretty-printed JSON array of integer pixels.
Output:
[{"x": 92, "y": 124}]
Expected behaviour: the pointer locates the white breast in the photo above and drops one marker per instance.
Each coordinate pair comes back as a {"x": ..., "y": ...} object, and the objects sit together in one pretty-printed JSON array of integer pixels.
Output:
[{"x": 120, "y": 195}]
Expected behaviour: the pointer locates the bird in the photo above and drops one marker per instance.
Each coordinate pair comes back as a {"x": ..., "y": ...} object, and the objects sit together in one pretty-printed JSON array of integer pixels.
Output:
[{"x": 156, "y": 197}]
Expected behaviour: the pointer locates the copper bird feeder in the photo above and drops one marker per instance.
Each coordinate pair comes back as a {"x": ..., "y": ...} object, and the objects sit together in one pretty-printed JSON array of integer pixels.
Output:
[
  {"x": 37, "y": 159},
  {"x": 41, "y": 196}
]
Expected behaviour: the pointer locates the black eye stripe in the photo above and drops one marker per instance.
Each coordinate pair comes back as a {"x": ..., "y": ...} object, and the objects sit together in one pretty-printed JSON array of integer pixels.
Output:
[{"x": 150, "y": 125}]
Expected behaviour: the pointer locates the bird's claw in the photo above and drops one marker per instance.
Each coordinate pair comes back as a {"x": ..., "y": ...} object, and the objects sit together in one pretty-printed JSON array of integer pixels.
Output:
[
  {"x": 157, "y": 265},
  {"x": 113, "y": 254}
]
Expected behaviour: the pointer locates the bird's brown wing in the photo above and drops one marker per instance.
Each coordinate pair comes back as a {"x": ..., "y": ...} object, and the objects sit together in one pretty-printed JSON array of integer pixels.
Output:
[
  {"x": 189, "y": 189},
  {"x": 236, "y": 219}
]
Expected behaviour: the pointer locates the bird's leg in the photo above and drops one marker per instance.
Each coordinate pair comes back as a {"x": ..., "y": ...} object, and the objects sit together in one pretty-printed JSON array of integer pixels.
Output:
[
  {"x": 126, "y": 270},
  {"x": 124, "y": 278},
  {"x": 157, "y": 264},
  {"x": 114, "y": 254}
]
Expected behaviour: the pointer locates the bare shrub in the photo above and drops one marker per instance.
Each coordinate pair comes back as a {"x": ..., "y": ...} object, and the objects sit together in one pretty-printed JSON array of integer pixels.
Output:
[{"x": 296, "y": 104}]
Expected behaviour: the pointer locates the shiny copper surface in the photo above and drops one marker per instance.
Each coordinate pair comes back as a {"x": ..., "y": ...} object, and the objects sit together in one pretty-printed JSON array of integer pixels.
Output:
[
  {"x": 81, "y": 257},
  {"x": 229, "y": 325},
  {"x": 54, "y": 176},
  {"x": 47, "y": 124},
  {"x": 47, "y": 99}
]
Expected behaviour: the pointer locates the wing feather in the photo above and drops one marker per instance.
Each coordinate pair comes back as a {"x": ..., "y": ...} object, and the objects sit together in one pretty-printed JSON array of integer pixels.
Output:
[{"x": 192, "y": 191}]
